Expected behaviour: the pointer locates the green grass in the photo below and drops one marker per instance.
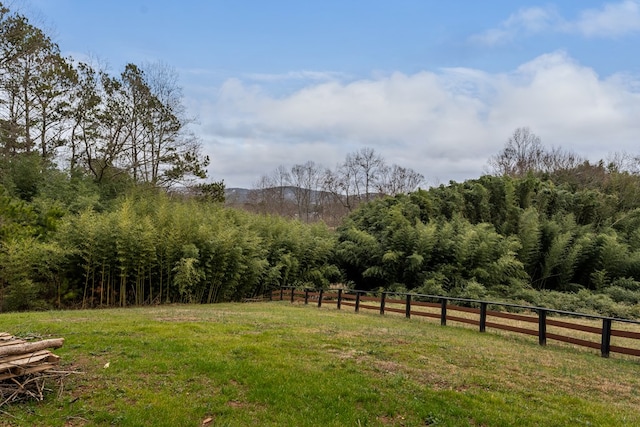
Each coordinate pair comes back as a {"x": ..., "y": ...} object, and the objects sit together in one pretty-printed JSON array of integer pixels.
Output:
[{"x": 291, "y": 365}]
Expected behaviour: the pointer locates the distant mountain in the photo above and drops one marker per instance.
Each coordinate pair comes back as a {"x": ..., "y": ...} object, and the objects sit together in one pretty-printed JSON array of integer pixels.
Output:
[{"x": 236, "y": 195}]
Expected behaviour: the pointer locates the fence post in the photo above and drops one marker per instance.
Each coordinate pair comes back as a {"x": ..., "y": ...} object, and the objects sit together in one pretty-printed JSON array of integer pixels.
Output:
[
  {"x": 483, "y": 317},
  {"x": 357, "y": 301},
  {"x": 281, "y": 293},
  {"x": 306, "y": 296},
  {"x": 542, "y": 327},
  {"x": 382, "y": 300},
  {"x": 605, "y": 347},
  {"x": 339, "y": 298},
  {"x": 320, "y": 298},
  {"x": 443, "y": 312},
  {"x": 293, "y": 290},
  {"x": 407, "y": 307}
]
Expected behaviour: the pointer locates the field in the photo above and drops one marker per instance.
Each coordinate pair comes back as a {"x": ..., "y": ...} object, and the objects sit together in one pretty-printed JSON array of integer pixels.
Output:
[{"x": 294, "y": 365}]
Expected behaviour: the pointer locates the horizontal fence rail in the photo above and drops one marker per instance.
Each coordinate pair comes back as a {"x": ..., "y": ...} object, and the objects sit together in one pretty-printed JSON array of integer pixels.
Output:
[{"x": 567, "y": 329}]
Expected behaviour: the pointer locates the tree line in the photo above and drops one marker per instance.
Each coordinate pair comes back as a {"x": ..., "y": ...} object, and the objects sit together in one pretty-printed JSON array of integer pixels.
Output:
[
  {"x": 564, "y": 238},
  {"x": 528, "y": 240},
  {"x": 312, "y": 192},
  {"x": 130, "y": 126}
]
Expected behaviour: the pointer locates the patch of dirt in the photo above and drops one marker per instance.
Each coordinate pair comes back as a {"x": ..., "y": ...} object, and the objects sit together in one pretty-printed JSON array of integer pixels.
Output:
[
  {"x": 237, "y": 404},
  {"x": 398, "y": 420},
  {"x": 348, "y": 354},
  {"x": 389, "y": 366},
  {"x": 76, "y": 422}
]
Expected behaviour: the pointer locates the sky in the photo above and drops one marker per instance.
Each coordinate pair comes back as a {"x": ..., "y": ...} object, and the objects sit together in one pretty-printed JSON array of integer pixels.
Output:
[{"x": 436, "y": 86}]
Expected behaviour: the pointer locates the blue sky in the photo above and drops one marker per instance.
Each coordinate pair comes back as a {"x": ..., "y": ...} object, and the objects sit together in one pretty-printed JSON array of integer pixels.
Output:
[{"x": 436, "y": 86}]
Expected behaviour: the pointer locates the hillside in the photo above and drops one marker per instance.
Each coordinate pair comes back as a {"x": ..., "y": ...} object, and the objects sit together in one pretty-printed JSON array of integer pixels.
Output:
[{"x": 290, "y": 194}]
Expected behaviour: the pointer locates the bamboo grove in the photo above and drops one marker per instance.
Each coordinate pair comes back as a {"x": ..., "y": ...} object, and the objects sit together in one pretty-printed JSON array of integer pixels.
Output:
[
  {"x": 150, "y": 249},
  {"x": 526, "y": 239},
  {"x": 530, "y": 240}
]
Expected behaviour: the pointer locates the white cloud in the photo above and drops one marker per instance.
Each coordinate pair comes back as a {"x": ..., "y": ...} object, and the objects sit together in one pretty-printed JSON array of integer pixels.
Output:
[
  {"x": 443, "y": 124},
  {"x": 610, "y": 21},
  {"x": 569, "y": 105},
  {"x": 525, "y": 21},
  {"x": 493, "y": 37},
  {"x": 296, "y": 75},
  {"x": 613, "y": 20},
  {"x": 534, "y": 19}
]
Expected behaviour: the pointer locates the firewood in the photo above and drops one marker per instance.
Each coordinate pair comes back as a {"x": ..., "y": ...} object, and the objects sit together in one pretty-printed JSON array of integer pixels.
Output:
[
  {"x": 9, "y": 340},
  {"x": 24, "y": 359},
  {"x": 25, "y": 367},
  {"x": 22, "y": 348},
  {"x": 31, "y": 370},
  {"x": 13, "y": 358}
]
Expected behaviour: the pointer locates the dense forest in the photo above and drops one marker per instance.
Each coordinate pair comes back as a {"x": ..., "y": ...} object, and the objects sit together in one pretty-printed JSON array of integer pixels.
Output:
[{"x": 103, "y": 203}]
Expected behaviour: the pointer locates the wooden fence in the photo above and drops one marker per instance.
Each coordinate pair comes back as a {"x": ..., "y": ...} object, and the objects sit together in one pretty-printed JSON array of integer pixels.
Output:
[{"x": 608, "y": 334}]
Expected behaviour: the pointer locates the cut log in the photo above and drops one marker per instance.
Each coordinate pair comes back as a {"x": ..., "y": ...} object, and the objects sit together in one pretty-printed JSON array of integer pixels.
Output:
[
  {"x": 22, "y": 348},
  {"x": 12, "y": 342}
]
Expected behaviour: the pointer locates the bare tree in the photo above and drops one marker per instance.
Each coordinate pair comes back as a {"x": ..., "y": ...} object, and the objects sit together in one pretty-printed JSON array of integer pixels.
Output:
[
  {"x": 621, "y": 161},
  {"x": 309, "y": 192},
  {"x": 344, "y": 183},
  {"x": 337, "y": 203},
  {"x": 305, "y": 180},
  {"x": 280, "y": 178},
  {"x": 258, "y": 197},
  {"x": 398, "y": 180},
  {"x": 558, "y": 159},
  {"x": 356, "y": 179},
  {"x": 523, "y": 153},
  {"x": 370, "y": 164},
  {"x": 269, "y": 193}
]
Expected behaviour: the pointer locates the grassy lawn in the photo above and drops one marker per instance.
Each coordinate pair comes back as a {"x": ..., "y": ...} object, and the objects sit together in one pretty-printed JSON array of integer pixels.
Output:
[{"x": 293, "y": 365}]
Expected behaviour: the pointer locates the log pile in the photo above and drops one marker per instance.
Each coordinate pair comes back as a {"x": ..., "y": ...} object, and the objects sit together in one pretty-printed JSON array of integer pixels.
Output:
[{"x": 24, "y": 367}]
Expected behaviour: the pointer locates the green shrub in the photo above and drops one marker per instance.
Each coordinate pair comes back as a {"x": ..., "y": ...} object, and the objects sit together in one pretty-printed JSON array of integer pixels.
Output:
[
  {"x": 622, "y": 295},
  {"x": 23, "y": 296}
]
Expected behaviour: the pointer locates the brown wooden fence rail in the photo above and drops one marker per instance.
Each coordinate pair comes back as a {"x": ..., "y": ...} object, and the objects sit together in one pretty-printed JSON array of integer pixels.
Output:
[{"x": 567, "y": 329}]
